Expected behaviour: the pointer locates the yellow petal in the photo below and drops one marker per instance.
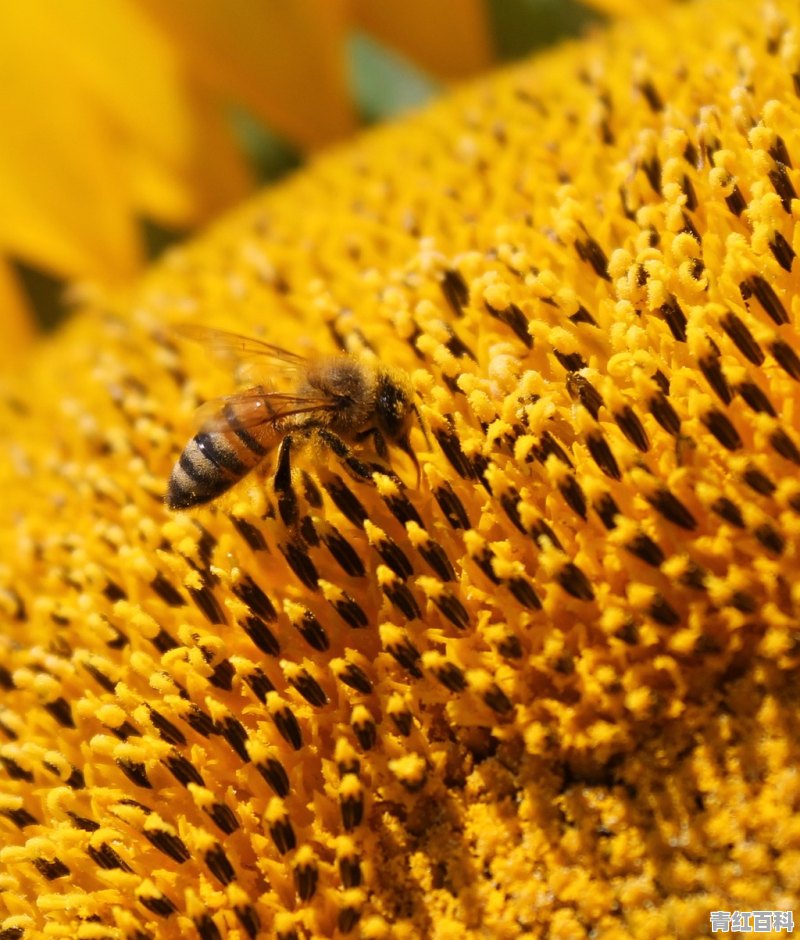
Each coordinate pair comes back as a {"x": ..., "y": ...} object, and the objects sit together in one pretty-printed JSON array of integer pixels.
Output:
[
  {"x": 61, "y": 203},
  {"x": 449, "y": 38},
  {"x": 282, "y": 61},
  {"x": 212, "y": 174}
]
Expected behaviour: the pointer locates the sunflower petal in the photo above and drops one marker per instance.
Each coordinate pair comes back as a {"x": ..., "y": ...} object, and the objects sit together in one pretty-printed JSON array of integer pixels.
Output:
[
  {"x": 61, "y": 202},
  {"x": 283, "y": 61},
  {"x": 449, "y": 38}
]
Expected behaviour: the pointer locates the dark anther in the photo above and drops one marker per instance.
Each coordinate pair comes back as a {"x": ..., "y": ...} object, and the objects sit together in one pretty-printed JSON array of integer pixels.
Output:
[
  {"x": 171, "y": 845},
  {"x": 524, "y": 593},
  {"x": 275, "y": 775},
  {"x": 261, "y": 635},
  {"x": 603, "y": 455},
  {"x": 722, "y": 429},
  {"x": 570, "y": 362},
  {"x": 351, "y": 612},
  {"x": 219, "y": 864},
  {"x": 260, "y": 684},
  {"x": 344, "y": 553},
  {"x": 728, "y": 510},
  {"x": 607, "y": 509},
  {"x": 575, "y": 582},
  {"x": 582, "y": 390},
  {"x": 785, "y": 446},
  {"x": 515, "y": 319},
  {"x": 163, "y": 642},
  {"x": 782, "y": 251},
  {"x": 407, "y": 655},
  {"x": 573, "y": 495},
  {"x": 435, "y": 556},
  {"x": 591, "y": 252},
  {"x": 758, "y": 481},
  {"x": 497, "y": 700},
  {"x": 224, "y": 818},
  {"x": 786, "y": 358},
  {"x": 394, "y": 557},
  {"x": 402, "y": 598},
  {"x": 453, "y": 609},
  {"x": 451, "y": 506},
  {"x": 346, "y": 501},
  {"x": 630, "y": 425},
  {"x": 283, "y": 835},
  {"x": 451, "y": 677},
  {"x": 783, "y": 186},
  {"x": 309, "y": 688},
  {"x": 288, "y": 727},
  {"x": 235, "y": 734},
  {"x": 756, "y": 286},
  {"x": 651, "y": 95},
  {"x": 755, "y": 398},
  {"x": 455, "y": 290},
  {"x": 675, "y": 319},
  {"x": 207, "y": 601},
  {"x": 252, "y": 595},
  {"x": 252, "y": 535},
  {"x": 135, "y": 772},
  {"x": 355, "y": 677},
  {"x": 712, "y": 370},
  {"x": 301, "y": 564},
  {"x": 313, "y": 632},
  {"x": 736, "y": 201},
  {"x": 672, "y": 508},
  {"x": 770, "y": 538},
  {"x": 642, "y": 546},
  {"x": 663, "y": 612}
]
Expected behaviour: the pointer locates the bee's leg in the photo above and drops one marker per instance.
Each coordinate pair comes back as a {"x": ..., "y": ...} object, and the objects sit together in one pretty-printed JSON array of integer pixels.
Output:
[
  {"x": 282, "y": 483},
  {"x": 378, "y": 442},
  {"x": 357, "y": 468}
]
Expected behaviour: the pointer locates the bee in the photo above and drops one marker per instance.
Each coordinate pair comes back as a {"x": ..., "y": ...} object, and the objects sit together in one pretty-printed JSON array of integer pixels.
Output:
[{"x": 338, "y": 402}]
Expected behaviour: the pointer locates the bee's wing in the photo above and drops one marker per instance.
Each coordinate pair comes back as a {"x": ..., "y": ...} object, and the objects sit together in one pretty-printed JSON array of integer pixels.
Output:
[
  {"x": 256, "y": 407},
  {"x": 246, "y": 353}
]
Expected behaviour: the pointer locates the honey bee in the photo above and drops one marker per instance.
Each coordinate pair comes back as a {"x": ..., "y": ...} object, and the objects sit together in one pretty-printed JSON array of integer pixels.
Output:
[{"x": 338, "y": 401}]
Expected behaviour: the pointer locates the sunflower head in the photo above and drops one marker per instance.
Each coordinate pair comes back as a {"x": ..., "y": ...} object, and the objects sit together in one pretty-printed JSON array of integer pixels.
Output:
[{"x": 551, "y": 687}]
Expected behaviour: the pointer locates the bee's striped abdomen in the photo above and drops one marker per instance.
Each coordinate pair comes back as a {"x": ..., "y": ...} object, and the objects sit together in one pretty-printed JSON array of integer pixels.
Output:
[{"x": 211, "y": 463}]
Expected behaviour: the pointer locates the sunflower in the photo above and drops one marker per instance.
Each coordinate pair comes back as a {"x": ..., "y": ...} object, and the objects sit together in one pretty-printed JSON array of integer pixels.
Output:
[
  {"x": 550, "y": 689},
  {"x": 154, "y": 109}
]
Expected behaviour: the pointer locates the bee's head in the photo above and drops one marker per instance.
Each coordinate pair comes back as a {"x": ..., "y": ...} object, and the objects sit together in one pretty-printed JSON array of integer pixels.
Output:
[{"x": 395, "y": 411}]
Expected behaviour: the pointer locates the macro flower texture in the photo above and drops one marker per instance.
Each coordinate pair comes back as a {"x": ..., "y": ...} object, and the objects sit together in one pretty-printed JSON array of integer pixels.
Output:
[{"x": 549, "y": 688}]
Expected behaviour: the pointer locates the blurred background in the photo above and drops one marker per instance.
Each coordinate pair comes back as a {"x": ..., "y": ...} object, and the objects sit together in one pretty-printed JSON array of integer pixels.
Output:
[{"x": 129, "y": 123}]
